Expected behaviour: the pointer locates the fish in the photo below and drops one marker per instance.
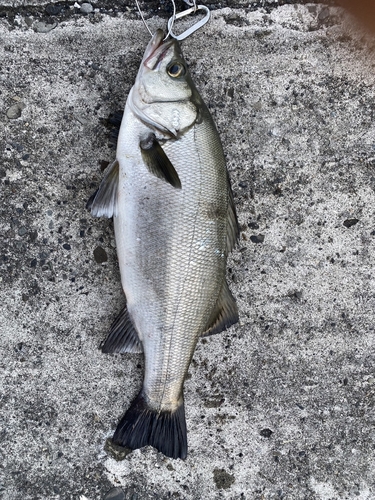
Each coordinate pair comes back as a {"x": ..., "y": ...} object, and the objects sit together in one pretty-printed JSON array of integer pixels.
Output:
[{"x": 175, "y": 223}]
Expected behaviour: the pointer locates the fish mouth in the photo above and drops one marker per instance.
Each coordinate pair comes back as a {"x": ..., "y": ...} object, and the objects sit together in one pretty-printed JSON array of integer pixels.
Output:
[{"x": 156, "y": 50}]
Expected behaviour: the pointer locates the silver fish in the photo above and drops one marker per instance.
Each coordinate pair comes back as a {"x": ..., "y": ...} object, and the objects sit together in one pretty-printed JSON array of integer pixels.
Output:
[{"x": 175, "y": 223}]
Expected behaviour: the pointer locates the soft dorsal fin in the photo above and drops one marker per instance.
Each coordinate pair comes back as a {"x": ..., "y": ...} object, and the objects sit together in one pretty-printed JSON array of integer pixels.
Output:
[
  {"x": 158, "y": 162},
  {"x": 122, "y": 336},
  {"x": 233, "y": 231},
  {"x": 225, "y": 313},
  {"x": 103, "y": 203}
]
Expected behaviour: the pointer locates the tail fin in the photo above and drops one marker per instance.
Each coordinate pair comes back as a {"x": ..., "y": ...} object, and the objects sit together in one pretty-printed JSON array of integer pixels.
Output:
[{"x": 164, "y": 430}]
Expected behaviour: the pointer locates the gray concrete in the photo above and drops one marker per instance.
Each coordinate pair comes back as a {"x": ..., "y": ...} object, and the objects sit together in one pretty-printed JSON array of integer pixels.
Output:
[{"x": 280, "y": 406}]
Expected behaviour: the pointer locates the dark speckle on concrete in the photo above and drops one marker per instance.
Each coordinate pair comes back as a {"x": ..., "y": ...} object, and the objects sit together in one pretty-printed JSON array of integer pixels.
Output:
[
  {"x": 267, "y": 433},
  {"x": 257, "y": 238},
  {"x": 100, "y": 255},
  {"x": 115, "y": 451},
  {"x": 222, "y": 479},
  {"x": 350, "y": 222}
]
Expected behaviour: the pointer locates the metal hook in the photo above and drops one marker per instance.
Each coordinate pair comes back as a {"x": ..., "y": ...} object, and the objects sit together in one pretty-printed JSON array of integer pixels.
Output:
[
  {"x": 192, "y": 4},
  {"x": 193, "y": 9},
  {"x": 195, "y": 26}
]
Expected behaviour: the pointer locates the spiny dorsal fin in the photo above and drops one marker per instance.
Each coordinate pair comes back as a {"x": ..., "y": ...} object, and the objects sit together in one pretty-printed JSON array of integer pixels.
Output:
[
  {"x": 122, "y": 336},
  {"x": 225, "y": 313},
  {"x": 158, "y": 162},
  {"x": 103, "y": 203},
  {"x": 233, "y": 227}
]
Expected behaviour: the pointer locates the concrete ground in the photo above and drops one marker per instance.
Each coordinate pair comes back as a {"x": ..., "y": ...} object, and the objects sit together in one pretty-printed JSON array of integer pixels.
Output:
[{"x": 282, "y": 405}]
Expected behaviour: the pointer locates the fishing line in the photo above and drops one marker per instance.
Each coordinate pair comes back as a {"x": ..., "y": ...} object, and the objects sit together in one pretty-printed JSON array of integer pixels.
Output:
[
  {"x": 143, "y": 19},
  {"x": 173, "y": 18}
]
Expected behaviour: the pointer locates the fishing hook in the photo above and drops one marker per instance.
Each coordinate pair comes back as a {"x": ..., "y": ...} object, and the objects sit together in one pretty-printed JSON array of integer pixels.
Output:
[
  {"x": 192, "y": 4},
  {"x": 184, "y": 13},
  {"x": 193, "y": 8}
]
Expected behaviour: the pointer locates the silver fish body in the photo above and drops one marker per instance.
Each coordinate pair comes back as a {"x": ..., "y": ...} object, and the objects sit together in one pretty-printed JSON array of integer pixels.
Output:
[{"x": 174, "y": 223}]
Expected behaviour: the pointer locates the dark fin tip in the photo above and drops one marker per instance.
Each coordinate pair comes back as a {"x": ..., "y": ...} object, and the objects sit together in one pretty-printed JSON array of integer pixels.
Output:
[
  {"x": 91, "y": 200},
  {"x": 158, "y": 162},
  {"x": 122, "y": 336},
  {"x": 142, "y": 426},
  {"x": 103, "y": 203}
]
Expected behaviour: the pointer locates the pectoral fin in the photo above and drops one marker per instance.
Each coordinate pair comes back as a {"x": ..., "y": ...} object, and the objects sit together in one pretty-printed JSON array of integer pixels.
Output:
[
  {"x": 224, "y": 315},
  {"x": 122, "y": 336},
  {"x": 158, "y": 162},
  {"x": 103, "y": 203}
]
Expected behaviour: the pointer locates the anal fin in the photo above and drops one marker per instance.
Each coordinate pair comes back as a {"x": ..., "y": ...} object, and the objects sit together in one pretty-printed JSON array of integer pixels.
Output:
[
  {"x": 122, "y": 336},
  {"x": 224, "y": 315}
]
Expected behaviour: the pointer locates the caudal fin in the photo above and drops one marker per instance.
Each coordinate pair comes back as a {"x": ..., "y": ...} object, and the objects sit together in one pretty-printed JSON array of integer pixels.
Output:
[{"x": 164, "y": 430}]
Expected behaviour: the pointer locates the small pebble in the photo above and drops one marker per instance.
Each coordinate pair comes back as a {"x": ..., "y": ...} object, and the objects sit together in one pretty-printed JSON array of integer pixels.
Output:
[
  {"x": 22, "y": 231},
  {"x": 324, "y": 14},
  {"x": 86, "y": 8},
  {"x": 115, "y": 494},
  {"x": 52, "y": 9},
  {"x": 14, "y": 112},
  {"x": 41, "y": 27}
]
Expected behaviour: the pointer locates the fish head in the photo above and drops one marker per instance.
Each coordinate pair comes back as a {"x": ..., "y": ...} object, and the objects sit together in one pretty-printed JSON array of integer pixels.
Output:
[{"x": 164, "y": 95}]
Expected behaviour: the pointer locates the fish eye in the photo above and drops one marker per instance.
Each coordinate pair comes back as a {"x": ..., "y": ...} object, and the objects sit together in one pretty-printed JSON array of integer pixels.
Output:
[{"x": 176, "y": 69}]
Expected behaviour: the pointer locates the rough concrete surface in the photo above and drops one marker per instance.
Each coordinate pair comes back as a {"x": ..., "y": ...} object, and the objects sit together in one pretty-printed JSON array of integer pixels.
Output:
[{"x": 281, "y": 405}]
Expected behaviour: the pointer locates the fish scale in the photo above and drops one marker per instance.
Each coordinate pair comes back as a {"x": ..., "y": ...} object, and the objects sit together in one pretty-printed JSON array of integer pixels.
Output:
[{"x": 175, "y": 224}]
